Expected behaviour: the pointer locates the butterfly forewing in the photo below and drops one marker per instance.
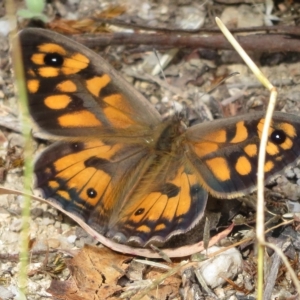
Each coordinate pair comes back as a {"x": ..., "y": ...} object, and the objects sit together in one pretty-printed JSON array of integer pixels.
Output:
[
  {"x": 226, "y": 153},
  {"x": 74, "y": 92}
]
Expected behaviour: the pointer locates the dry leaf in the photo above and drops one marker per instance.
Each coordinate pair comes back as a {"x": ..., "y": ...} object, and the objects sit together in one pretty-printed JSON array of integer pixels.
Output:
[{"x": 95, "y": 272}]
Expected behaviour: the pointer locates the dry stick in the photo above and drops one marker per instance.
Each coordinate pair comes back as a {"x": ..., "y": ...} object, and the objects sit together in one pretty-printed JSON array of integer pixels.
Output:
[
  {"x": 261, "y": 162},
  {"x": 260, "y": 214},
  {"x": 262, "y": 42},
  {"x": 247, "y": 240},
  {"x": 261, "y": 158},
  {"x": 272, "y": 275}
]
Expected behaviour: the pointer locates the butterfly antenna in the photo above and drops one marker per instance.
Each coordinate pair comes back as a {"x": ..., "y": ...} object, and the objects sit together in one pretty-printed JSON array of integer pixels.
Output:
[
  {"x": 196, "y": 110},
  {"x": 222, "y": 81}
]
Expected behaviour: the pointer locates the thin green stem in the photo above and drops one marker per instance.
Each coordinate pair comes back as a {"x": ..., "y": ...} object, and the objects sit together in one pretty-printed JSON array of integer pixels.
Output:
[{"x": 21, "y": 90}]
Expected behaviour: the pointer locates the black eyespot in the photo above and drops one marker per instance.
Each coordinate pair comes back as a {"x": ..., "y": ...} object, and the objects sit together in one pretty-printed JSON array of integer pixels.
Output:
[
  {"x": 140, "y": 211},
  {"x": 278, "y": 137},
  {"x": 91, "y": 193},
  {"x": 53, "y": 60}
]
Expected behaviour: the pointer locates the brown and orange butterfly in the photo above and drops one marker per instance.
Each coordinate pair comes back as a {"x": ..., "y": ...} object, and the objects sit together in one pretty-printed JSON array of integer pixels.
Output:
[{"x": 117, "y": 165}]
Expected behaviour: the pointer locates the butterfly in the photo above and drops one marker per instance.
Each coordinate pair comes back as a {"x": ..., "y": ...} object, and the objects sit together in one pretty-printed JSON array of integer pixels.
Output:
[{"x": 117, "y": 165}]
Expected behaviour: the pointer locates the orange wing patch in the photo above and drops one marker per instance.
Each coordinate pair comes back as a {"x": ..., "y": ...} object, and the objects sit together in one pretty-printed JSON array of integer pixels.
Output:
[
  {"x": 272, "y": 149},
  {"x": 38, "y": 58},
  {"x": 77, "y": 119},
  {"x": 33, "y": 86},
  {"x": 53, "y": 184},
  {"x": 243, "y": 166},
  {"x": 96, "y": 84},
  {"x": 57, "y": 102},
  {"x": 74, "y": 64},
  {"x": 241, "y": 133},
  {"x": 204, "y": 148},
  {"x": 67, "y": 86},
  {"x": 260, "y": 127},
  {"x": 64, "y": 194},
  {"x": 289, "y": 129},
  {"x": 251, "y": 150},
  {"x": 219, "y": 136},
  {"x": 47, "y": 72},
  {"x": 288, "y": 144},
  {"x": 52, "y": 48},
  {"x": 269, "y": 165},
  {"x": 219, "y": 167}
]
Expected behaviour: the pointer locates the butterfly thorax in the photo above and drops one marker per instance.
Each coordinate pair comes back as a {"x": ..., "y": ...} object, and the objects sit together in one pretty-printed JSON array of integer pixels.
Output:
[{"x": 170, "y": 137}]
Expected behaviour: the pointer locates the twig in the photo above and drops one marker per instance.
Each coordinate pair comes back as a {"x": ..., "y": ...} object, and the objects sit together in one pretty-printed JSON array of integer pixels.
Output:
[
  {"x": 262, "y": 42},
  {"x": 272, "y": 275}
]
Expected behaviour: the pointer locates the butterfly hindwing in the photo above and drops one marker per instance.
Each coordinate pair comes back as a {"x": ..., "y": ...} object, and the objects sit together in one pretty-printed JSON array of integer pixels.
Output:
[
  {"x": 88, "y": 178},
  {"x": 167, "y": 201}
]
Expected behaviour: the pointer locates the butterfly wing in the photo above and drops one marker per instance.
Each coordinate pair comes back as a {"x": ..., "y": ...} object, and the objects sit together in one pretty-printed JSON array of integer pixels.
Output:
[
  {"x": 167, "y": 201},
  {"x": 225, "y": 153},
  {"x": 90, "y": 179},
  {"x": 73, "y": 92}
]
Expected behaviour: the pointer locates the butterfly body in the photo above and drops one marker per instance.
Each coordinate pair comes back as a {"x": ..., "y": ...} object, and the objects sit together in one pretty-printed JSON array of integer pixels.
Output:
[{"x": 117, "y": 165}]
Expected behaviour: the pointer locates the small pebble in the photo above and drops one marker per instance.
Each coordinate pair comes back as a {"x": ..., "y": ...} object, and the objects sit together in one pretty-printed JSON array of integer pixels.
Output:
[
  {"x": 5, "y": 27},
  {"x": 71, "y": 239},
  {"x": 65, "y": 227},
  {"x": 228, "y": 264},
  {"x": 289, "y": 173},
  {"x": 36, "y": 212},
  {"x": 293, "y": 206},
  {"x": 47, "y": 221},
  {"x": 79, "y": 243},
  {"x": 16, "y": 225},
  {"x": 57, "y": 224},
  {"x": 40, "y": 245},
  {"x": 53, "y": 243}
]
